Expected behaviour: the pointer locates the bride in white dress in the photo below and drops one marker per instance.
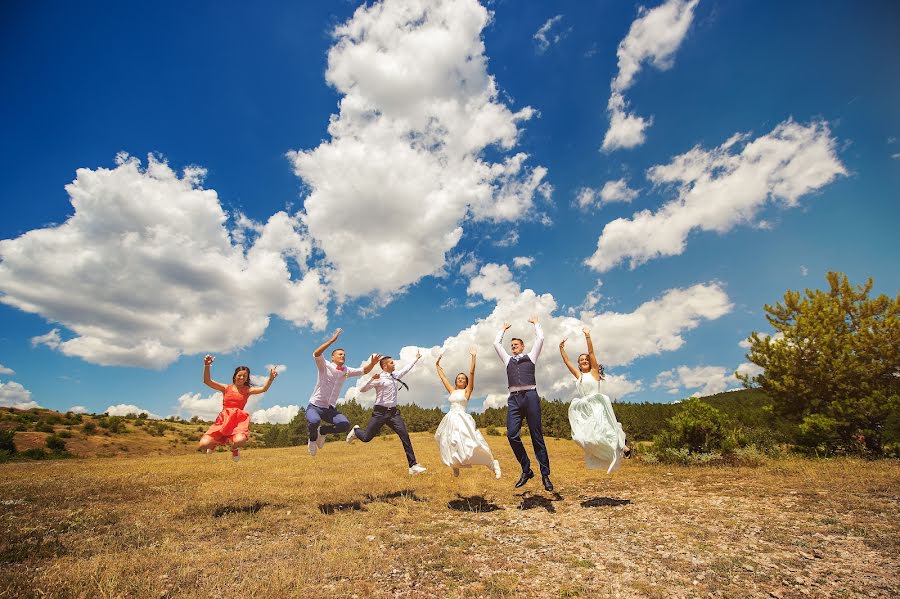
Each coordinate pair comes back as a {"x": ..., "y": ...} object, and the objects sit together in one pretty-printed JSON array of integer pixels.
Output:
[
  {"x": 460, "y": 442},
  {"x": 594, "y": 424}
]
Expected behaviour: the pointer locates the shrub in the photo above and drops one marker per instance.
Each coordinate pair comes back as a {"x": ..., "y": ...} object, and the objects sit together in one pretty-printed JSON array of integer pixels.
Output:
[
  {"x": 56, "y": 444},
  {"x": 819, "y": 433},
  {"x": 64, "y": 434},
  {"x": 697, "y": 427},
  {"x": 35, "y": 453},
  {"x": 43, "y": 427},
  {"x": 89, "y": 427},
  {"x": 7, "y": 441}
]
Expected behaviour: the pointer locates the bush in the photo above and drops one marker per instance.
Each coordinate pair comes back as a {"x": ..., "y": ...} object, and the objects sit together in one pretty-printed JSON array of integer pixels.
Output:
[
  {"x": 89, "y": 427},
  {"x": 114, "y": 424},
  {"x": 35, "y": 453},
  {"x": 697, "y": 427},
  {"x": 7, "y": 441},
  {"x": 56, "y": 444},
  {"x": 43, "y": 427},
  {"x": 64, "y": 434},
  {"x": 819, "y": 434}
]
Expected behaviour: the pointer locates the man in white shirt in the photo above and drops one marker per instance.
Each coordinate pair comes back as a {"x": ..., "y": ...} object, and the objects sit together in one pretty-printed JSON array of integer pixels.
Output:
[
  {"x": 386, "y": 411},
  {"x": 323, "y": 401},
  {"x": 524, "y": 401}
]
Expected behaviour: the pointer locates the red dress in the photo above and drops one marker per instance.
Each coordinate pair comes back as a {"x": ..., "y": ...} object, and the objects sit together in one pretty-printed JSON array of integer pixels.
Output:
[{"x": 232, "y": 420}]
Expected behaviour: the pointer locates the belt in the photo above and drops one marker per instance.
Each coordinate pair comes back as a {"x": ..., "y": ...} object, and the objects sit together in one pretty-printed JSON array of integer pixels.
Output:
[{"x": 520, "y": 391}]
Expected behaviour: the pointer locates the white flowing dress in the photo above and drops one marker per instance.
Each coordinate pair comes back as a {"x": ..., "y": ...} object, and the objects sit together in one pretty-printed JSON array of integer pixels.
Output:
[
  {"x": 460, "y": 442},
  {"x": 594, "y": 426}
]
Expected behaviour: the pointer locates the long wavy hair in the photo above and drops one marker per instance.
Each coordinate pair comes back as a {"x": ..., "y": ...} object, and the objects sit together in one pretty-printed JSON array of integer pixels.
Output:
[{"x": 237, "y": 370}]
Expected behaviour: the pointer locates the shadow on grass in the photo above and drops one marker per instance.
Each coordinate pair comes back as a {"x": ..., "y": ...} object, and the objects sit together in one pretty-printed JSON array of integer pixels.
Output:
[
  {"x": 389, "y": 497},
  {"x": 604, "y": 502},
  {"x": 238, "y": 509},
  {"x": 475, "y": 503},
  {"x": 530, "y": 501},
  {"x": 333, "y": 508}
]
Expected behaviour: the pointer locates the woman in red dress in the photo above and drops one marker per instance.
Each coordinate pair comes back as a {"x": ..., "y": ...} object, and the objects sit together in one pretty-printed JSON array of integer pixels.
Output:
[{"x": 232, "y": 425}]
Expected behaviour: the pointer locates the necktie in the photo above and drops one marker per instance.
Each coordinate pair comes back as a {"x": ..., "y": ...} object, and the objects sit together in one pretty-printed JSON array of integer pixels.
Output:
[{"x": 399, "y": 381}]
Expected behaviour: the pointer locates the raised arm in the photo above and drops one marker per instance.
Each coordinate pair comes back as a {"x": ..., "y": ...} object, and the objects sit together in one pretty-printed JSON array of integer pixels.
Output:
[
  {"x": 498, "y": 344},
  {"x": 207, "y": 379},
  {"x": 565, "y": 357},
  {"x": 595, "y": 365},
  {"x": 373, "y": 360},
  {"x": 257, "y": 390},
  {"x": 321, "y": 349},
  {"x": 409, "y": 366},
  {"x": 538, "y": 340},
  {"x": 372, "y": 384},
  {"x": 471, "y": 374},
  {"x": 441, "y": 374}
]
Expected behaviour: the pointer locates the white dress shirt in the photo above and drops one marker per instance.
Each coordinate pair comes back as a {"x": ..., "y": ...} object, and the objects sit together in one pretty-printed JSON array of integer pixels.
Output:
[
  {"x": 329, "y": 382},
  {"x": 386, "y": 386},
  {"x": 532, "y": 355}
]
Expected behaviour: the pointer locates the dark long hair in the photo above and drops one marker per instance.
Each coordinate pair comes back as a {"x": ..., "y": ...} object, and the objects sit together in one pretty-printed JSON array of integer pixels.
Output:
[
  {"x": 237, "y": 370},
  {"x": 600, "y": 370}
]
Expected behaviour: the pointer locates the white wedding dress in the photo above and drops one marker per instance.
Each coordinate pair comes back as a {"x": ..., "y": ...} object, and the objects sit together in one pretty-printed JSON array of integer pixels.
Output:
[
  {"x": 460, "y": 442},
  {"x": 594, "y": 426}
]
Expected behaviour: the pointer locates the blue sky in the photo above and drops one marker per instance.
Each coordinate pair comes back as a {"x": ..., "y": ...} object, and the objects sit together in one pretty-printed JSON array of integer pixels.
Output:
[{"x": 417, "y": 176}]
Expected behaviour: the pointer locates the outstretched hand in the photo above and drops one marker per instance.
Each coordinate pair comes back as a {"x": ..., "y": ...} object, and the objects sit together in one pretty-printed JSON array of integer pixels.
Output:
[
  {"x": 533, "y": 320},
  {"x": 208, "y": 359},
  {"x": 272, "y": 373},
  {"x": 438, "y": 361},
  {"x": 586, "y": 331},
  {"x": 473, "y": 350},
  {"x": 373, "y": 359},
  {"x": 563, "y": 342},
  {"x": 418, "y": 353},
  {"x": 337, "y": 333},
  {"x": 506, "y": 326}
]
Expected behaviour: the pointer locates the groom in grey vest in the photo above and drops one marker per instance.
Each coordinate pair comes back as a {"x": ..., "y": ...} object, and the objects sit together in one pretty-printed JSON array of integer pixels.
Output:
[{"x": 524, "y": 401}]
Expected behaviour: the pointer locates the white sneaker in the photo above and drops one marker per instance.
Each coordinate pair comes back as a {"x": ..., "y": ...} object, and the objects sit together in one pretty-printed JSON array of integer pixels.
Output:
[
  {"x": 320, "y": 440},
  {"x": 235, "y": 455},
  {"x": 313, "y": 447},
  {"x": 496, "y": 469},
  {"x": 416, "y": 469},
  {"x": 351, "y": 436}
]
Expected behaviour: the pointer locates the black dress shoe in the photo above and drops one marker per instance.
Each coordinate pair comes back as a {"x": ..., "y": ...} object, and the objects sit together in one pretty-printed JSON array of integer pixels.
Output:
[
  {"x": 547, "y": 484},
  {"x": 526, "y": 476}
]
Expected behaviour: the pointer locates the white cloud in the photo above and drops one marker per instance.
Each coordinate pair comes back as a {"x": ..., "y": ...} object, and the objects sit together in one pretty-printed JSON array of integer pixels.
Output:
[
  {"x": 78, "y": 410},
  {"x": 275, "y": 414},
  {"x": 523, "y": 261},
  {"x": 654, "y": 327},
  {"x": 721, "y": 188},
  {"x": 654, "y": 37},
  {"x": 146, "y": 269},
  {"x": 544, "y": 38},
  {"x": 509, "y": 239},
  {"x": 5, "y": 370},
  {"x": 51, "y": 339},
  {"x": 895, "y": 156},
  {"x": 803, "y": 271},
  {"x": 405, "y": 154},
  {"x": 14, "y": 395},
  {"x": 706, "y": 379},
  {"x": 612, "y": 191},
  {"x": 125, "y": 409},
  {"x": 749, "y": 369},
  {"x": 591, "y": 299},
  {"x": 259, "y": 380}
]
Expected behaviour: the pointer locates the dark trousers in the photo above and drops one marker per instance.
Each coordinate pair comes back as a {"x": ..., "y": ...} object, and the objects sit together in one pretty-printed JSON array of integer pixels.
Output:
[
  {"x": 316, "y": 415},
  {"x": 391, "y": 417},
  {"x": 527, "y": 404}
]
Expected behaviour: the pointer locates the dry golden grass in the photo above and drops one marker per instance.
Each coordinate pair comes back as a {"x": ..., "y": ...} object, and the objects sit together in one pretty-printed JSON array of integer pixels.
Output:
[{"x": 352, "y": 523}]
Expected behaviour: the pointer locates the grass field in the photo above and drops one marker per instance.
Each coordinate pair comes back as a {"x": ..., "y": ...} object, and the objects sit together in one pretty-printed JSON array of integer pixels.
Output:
[{"x": 352, "y": 523}]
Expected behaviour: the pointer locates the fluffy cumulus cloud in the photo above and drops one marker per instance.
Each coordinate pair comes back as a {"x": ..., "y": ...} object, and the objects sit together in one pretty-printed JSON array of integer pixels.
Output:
[
  {"x": 706, "y": 380},
  {"x": 612, "y": 191},
  {"x": 275, "y": 414},
  {"x": 418, "y": 110},
  {"x": 79, "y": 410},
  {"x": 123, "y": 409},
  {"x": 6, "y": 370},
  {"x": 546, "y": 36},
  {"x": 654, "y": 37},
  {"x": 523, "y": 261},
  {"x": 656, "y": 326},
  {"x": 720, "y": 188},
  {"x": 146, "y": 269},
  {"x": 14, "y": 395}
]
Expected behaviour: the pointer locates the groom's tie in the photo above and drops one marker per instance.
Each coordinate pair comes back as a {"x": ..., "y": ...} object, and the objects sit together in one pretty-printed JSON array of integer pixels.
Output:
[{"x": 399, "y": 381}]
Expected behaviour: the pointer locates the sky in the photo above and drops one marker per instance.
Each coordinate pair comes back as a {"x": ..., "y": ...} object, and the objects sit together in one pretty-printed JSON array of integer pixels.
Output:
[{"x": 241, "y": 179}]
